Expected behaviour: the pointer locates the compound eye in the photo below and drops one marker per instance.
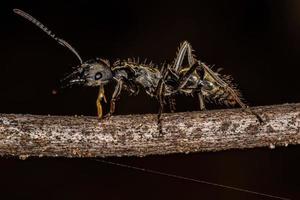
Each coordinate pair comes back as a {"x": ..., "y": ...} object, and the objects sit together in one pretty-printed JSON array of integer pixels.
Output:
[{"x": 98, "y": 76}]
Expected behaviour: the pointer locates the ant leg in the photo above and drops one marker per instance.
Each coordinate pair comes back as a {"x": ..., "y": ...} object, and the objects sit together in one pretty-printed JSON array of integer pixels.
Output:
[
  {"x": 101, "y": 96},
  {"x": 224, "y": 85},
  {"x": 201, "y": 101},
  {"x": 160, "y": 94},
  {"x": 184, "y": 49},
  {"x": 114, "y": 98},
  {"x": 185, "y": 77},
  {"x": 160, "y": 90}
]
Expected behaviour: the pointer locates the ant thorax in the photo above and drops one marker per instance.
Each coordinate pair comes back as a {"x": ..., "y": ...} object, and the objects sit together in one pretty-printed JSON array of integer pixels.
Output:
[{"x": 134, "y": 75}]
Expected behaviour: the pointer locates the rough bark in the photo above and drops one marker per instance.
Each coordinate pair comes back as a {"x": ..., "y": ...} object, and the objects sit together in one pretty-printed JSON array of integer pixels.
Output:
[{"x": 127, "y": 135}]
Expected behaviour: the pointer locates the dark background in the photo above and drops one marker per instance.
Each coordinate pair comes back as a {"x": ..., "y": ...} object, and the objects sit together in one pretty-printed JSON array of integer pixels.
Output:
[{"x": 256, "y": 41}]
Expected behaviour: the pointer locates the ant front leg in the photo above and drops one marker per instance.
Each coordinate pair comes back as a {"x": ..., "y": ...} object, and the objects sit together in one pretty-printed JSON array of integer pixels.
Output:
[
  {"x": 114, "y": 98},
  {"x": 101, "y": 96}
]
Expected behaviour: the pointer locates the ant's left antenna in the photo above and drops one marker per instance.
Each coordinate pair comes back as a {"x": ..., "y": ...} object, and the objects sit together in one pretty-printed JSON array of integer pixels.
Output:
[{"x": 46, "y": 30}]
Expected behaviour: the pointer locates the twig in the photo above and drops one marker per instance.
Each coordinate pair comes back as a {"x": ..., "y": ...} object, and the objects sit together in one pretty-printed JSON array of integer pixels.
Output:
[{"x": 127, "y": 135}]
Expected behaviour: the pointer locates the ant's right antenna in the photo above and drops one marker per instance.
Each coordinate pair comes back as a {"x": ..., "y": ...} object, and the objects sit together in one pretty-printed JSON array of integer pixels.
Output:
[{"x": 46, "y": 30}]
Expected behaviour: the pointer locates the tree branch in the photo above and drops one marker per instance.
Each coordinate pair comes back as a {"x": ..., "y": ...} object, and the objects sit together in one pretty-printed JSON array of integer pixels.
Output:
[{"x": 70, "y": 136}]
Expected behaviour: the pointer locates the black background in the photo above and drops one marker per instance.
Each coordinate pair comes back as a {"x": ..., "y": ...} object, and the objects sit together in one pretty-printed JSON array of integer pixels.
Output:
[{"x": 256, "y": 41}]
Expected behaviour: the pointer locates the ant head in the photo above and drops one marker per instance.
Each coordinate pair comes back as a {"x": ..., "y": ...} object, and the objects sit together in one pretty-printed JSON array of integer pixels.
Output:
[{"x": 95, "y": 72}]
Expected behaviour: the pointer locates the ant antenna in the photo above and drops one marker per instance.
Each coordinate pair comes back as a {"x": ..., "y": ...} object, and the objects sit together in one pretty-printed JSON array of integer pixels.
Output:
[{"x": 47, "y": 31}]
